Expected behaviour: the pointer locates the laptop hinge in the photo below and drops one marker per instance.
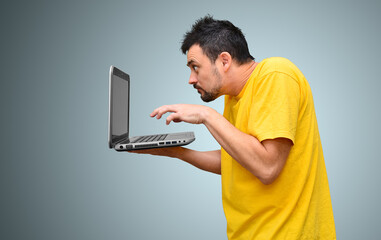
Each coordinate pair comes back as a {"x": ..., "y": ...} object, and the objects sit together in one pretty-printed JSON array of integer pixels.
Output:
[{"x": 123, "y": 138}]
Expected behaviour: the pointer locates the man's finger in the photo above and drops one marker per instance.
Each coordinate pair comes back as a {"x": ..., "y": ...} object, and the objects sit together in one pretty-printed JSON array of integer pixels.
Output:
[
  {"x": 173, "y": 117},
  {"x": 153, "y": 114},
  {"x": 156, "y": 113},
  {"x": 159, "y": 112}
]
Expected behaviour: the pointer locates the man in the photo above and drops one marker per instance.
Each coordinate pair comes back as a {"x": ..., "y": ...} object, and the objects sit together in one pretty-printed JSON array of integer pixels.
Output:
[{"x": 274, "y": 181}]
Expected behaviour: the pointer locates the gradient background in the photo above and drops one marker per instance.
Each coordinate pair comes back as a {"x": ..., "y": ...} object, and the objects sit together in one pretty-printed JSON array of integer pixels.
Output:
[{"x": 58, "y": 178}]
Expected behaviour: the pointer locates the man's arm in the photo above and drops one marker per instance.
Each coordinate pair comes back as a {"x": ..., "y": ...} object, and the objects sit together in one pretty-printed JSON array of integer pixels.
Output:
[
  {"x": 209, "y": 161},
  {"x": 264, "y": 159}
]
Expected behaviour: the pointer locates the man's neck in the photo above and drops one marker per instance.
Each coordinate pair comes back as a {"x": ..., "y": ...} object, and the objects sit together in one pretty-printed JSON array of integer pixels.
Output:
[{"x": 239, "y": 76}]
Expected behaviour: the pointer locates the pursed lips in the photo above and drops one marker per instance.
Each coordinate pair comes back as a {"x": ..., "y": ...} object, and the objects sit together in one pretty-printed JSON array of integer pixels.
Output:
[{"x": 196, "y": 87}]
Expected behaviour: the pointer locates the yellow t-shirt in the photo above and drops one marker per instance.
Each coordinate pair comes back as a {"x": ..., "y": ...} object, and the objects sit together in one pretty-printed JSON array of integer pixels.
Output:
[{"x": 277, "y": 102}]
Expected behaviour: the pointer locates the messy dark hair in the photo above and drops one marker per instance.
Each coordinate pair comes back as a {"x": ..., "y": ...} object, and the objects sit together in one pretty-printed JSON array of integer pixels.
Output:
[{"x": 215, "y": 37}]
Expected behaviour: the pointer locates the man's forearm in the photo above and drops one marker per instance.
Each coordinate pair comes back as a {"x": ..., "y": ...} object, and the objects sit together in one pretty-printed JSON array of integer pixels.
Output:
[{"x": 209, "y": 161}]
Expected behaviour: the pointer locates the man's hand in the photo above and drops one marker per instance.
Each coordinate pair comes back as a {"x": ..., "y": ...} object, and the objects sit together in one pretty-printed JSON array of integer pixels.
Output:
[
  {"x": 195, "y": 114},
  {"x": 168, "y": 151}
]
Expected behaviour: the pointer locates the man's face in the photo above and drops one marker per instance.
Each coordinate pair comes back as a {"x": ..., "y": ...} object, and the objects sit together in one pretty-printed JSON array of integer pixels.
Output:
[{"x": 204, "y": 76}]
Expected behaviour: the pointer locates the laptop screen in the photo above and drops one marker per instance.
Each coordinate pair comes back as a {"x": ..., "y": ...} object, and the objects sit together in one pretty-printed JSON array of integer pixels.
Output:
[{"x": 119, "y": 105}]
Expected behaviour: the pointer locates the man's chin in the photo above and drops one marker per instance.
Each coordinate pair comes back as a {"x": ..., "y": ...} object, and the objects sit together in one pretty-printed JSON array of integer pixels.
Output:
[{"x": 207, "y": 97}]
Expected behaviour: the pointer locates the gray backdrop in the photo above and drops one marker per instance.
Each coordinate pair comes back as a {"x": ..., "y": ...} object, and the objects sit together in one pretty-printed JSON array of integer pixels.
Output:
[{"x": 60, "y": 181}]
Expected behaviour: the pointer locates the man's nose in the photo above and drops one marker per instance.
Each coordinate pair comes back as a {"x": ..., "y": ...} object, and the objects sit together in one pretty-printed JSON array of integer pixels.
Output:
[{"x": 192, "y": 79}]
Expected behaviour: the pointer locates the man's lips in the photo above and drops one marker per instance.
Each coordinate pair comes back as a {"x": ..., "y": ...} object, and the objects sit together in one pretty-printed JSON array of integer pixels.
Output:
[{"x": 197, "y": 87}]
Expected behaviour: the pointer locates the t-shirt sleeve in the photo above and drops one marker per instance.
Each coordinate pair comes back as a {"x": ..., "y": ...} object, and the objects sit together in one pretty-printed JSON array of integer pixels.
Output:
[{"x": 275, "y": 108}]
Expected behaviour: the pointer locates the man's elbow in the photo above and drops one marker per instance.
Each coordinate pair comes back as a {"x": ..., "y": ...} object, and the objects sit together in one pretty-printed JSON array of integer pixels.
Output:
[
  {"x": 273, "y": 162},
  {"x": 268, "y": 176},
  {"x": 267, "y": 181}
]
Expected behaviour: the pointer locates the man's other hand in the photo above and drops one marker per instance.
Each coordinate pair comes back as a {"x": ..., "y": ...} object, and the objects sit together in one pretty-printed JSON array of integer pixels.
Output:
[{"x": 195, "y": 114}]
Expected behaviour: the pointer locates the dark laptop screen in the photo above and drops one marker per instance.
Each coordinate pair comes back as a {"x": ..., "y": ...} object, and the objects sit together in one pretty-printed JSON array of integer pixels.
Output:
[{"x": 120, "y": 105}]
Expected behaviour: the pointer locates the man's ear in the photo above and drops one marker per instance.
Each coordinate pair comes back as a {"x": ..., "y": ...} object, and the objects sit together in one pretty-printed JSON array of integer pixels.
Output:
[{"x": 226, "y": 60}]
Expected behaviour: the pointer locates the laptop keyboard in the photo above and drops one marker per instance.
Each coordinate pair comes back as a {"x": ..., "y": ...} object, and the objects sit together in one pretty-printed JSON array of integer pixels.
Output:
[{"x": 151, "y": 138}]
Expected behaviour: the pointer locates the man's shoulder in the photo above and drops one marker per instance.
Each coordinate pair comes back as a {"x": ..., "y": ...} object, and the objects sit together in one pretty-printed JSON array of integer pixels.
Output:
[
  {"x": 277, "y": 65},
  {"x": 276, "y": 60}
]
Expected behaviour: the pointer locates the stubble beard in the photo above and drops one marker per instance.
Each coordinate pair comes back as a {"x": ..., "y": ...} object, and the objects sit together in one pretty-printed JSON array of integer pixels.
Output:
[{"x": 215, "y": 92}]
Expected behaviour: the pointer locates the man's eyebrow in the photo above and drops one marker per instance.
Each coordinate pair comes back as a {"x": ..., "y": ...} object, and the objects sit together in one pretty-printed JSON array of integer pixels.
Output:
[{"x": 190, "y": 63}]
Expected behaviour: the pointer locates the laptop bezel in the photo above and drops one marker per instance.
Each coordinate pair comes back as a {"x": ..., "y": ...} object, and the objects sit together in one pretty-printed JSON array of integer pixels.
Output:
[{"x": 117, "y": 72}]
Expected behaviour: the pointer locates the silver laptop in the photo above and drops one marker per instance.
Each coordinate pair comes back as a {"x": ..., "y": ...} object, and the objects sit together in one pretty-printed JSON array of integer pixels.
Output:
[{"x": 119, "y": 114}]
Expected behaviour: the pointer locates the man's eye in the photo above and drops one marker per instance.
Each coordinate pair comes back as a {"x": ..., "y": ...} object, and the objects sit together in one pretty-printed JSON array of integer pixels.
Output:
[{"x": 195, "y": 68}]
